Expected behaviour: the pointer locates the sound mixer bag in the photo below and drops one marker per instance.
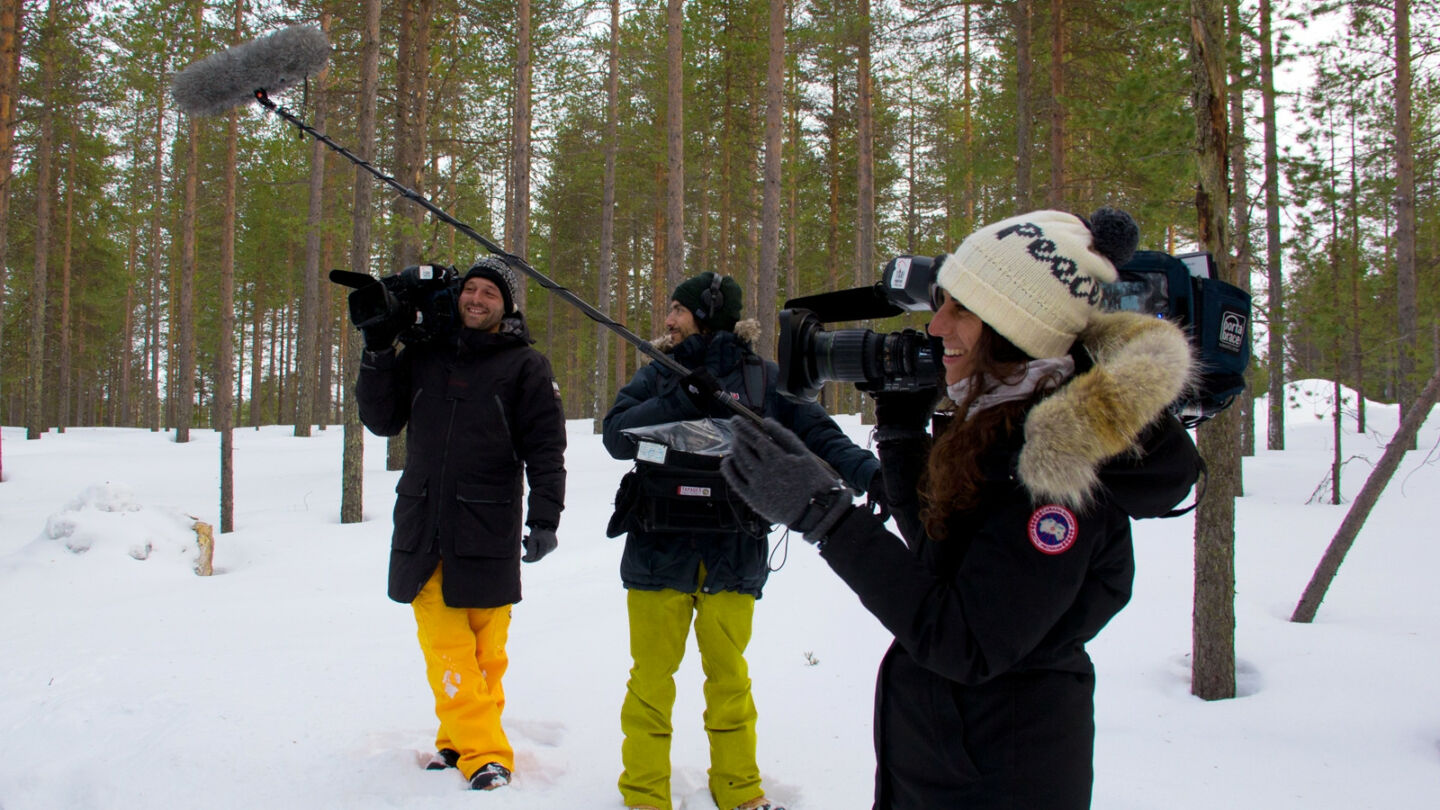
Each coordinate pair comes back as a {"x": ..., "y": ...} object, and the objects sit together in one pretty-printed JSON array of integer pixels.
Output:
[{"x": 676, "y": 485}]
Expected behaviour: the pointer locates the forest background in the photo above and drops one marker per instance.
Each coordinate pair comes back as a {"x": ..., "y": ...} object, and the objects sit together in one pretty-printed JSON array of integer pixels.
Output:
[{"x": 898, "y": 127}]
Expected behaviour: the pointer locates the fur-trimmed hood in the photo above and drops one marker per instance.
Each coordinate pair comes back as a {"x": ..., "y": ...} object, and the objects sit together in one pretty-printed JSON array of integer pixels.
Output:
[
  {"x": 1141, "y": 365},
  {"x": 748, "y": 331}
]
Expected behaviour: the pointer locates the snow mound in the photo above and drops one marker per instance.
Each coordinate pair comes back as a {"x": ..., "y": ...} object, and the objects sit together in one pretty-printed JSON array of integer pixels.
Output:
[{"x": 105, "y": 520}]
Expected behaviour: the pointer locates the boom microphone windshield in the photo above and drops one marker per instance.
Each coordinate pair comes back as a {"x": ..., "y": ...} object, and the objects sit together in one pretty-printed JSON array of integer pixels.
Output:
[{"x": 273, "y": 64}]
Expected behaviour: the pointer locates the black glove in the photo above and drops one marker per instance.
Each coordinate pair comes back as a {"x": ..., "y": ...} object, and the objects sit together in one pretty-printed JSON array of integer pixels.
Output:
[
  {"x": 700, "y": 388},
  {"x": 905, "y": 409},
  {"x": 875, "y": 497},
  {"x": 380, "y": 336},
  {"x": 773, "y": 471},
  {"x": 375, "y": 312},
  {"x": 875, "y": 490},
  {"x": 539, "y": 542}
]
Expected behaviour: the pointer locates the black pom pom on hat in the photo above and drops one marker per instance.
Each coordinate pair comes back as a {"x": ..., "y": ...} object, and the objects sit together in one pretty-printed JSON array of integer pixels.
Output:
[{"x": 1115, "y": 234}]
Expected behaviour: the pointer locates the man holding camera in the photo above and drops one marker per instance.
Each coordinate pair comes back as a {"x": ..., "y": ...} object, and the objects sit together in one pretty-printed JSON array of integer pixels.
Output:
[
  {"x": 480, "y": 407},
  {"x": 693, "y": 569}
]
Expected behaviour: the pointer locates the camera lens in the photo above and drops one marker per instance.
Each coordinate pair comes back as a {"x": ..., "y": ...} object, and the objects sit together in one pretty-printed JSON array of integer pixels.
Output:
[{"x": 845, "y": 355}]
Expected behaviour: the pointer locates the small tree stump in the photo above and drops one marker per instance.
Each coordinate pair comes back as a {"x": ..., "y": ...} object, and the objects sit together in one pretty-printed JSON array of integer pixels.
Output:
[{"x": 205, "y": 538}]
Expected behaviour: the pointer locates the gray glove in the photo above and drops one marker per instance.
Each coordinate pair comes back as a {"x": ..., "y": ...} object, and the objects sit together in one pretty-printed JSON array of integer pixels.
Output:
[
  {"x": 773, "y": 471},
  {"x": 539, "y": 542}
]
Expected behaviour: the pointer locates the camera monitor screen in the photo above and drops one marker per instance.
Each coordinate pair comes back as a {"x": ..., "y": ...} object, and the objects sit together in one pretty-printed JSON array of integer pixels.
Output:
[{"x": 1139, "y": 292}]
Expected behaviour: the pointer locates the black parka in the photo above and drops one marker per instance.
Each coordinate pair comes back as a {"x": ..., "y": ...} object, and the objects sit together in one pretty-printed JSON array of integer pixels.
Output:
[
  {"x": 985, "y": 698},
  {"x": 733, "y": 561},
  {"x": 478, "y": 411}
]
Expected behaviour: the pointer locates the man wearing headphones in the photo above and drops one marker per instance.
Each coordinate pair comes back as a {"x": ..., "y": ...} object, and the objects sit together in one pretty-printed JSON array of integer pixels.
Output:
[{"x": 682, "y": 565}]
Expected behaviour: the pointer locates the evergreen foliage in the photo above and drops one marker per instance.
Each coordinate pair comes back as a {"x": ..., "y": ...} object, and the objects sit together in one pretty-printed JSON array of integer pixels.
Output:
[{"x": 945, "y": 100}]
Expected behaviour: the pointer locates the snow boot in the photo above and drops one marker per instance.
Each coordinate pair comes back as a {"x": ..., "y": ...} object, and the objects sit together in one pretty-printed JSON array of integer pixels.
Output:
[
  {"x": 442, "y": 759},
  {"x": 492, "y": 776}
]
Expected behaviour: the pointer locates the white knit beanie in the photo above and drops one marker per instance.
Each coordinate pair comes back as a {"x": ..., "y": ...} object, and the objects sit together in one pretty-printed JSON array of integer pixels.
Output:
[{"x": 1036, "y": 278}]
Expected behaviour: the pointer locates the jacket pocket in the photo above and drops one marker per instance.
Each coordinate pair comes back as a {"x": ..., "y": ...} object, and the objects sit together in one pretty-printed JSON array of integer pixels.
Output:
[
  {"x": 487, "y": 523},
  {"x": 409, "y": 517}
]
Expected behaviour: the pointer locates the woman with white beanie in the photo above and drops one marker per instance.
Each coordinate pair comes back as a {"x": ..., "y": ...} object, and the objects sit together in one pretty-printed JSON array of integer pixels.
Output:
[{"x": 1015, "y": 512}]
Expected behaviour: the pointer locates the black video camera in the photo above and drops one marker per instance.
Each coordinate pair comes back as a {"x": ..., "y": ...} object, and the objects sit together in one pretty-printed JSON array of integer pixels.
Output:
[
  {"x": 899, "y": 361},
  {"x": 1215, "y": 316},
  {"x": 419, "y": 301}
]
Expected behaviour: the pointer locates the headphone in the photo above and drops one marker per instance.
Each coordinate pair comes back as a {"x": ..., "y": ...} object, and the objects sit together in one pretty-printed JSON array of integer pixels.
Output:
[{"x": 712, "y": 300}]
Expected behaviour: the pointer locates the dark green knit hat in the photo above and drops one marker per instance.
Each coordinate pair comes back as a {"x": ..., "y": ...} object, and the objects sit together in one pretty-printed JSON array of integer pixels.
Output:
[{"x": 719, "y": 315}]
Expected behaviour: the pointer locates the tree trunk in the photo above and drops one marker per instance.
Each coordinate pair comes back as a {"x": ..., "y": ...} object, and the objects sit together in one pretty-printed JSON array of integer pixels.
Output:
[
  {"x": 832, "y": 167},
  {"x": 769, "y": 267},
  {"x": 44, "y": 154},
  {"x": 520, "y": 162},
  {"x": 1357, "y": 271},
  {"x": 865, "y": 153},
  {"x": 257, "y": 342},
  {"x": 1024, "y": 114},
  {"x": 185, "y": 369},
  {"x": 601, "y": 397},
  {"x": 912, "y": 177},
  {"x": 674, "y": 144},
  {"x": 306, "y": 368},
  {"x": 1405, "y": 229},
  {"x": 1057, "y": 105},
  {"x": 969, "y": 133},
  {"x": 325, "y": 333},
  {"x": 727, "y": 170},
  {"x": 1354, "y": 521},
  {"x": 1240, "y": 203},
  {"x": 352, "y": 500},
  {"x": 659, "y": 253},
  {"x": 411, "y": 132},
  {"x": 622, "y": 309},
  {"x": 157, "y": 179},
  {"x": 63, "y": 390},
  {"x": 1276, "y": 326},
  {"x": 412, "y": 93},
  {"x": 1213, "y": 630},
  {"x": 224, "y": 419},
  {"x": 1335, "y": 320},
  {"x": 792, "y": 111},
  {"x": 125, "y": 416},
  {"x": 11, "y": 22}
]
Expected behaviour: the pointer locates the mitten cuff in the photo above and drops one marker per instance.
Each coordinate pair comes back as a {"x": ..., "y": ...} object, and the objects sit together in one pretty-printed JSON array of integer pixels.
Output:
[{"x": 822, "y": 513}]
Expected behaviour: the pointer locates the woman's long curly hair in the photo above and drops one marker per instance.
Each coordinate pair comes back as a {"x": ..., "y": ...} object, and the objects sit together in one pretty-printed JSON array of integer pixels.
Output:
[{"x": 952, "y": 473}]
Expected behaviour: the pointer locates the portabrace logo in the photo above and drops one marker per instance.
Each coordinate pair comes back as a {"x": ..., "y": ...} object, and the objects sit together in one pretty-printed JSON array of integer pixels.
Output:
[
  {"x": 1053, "y": 529},
  {"x": 1232, "y": 331}
]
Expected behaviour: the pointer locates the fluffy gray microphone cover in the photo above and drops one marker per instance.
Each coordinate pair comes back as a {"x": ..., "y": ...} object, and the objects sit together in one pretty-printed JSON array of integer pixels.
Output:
[{"x": 273, "y": 63}]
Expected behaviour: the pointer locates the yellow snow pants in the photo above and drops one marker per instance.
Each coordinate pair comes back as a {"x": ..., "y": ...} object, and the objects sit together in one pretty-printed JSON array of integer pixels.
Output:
[
  {"x": 464, "y": 662},
  {"x": 659, "y": 625}
]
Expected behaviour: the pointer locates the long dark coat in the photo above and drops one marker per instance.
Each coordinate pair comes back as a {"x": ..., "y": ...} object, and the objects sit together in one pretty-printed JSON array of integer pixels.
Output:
[
  {"x": 985, "y": 698},
  {"x": 478, "y": 412}
]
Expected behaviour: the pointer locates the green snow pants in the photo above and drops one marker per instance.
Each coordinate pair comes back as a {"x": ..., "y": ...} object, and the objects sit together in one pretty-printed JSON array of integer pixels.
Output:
[{"x": 659, "y": 626}]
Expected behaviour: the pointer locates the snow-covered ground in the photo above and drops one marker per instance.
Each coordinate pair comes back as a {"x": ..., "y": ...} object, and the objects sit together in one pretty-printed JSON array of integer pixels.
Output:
[{"x": 287, "y": 679}]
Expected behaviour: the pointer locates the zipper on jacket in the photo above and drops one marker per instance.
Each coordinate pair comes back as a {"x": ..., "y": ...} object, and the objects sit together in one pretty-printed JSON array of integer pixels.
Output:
[
  {"x": 505, "y": 423},
  {"x": 437, "y": 506}
]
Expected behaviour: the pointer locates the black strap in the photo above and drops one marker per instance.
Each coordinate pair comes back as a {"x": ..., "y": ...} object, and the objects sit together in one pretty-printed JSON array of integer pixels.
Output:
[{"x": 753, "y": 372}]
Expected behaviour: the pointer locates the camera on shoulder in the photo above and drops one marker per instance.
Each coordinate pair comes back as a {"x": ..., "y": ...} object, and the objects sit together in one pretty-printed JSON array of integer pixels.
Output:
[
  {"x": 1184, "y": 289},
  {"x": 419, "y": 301}
]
